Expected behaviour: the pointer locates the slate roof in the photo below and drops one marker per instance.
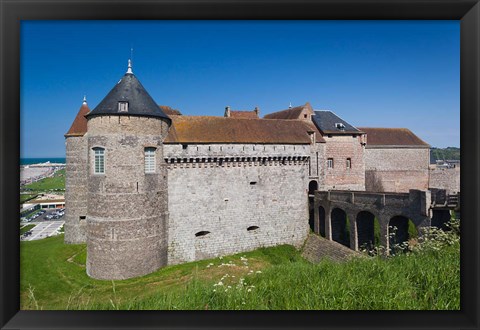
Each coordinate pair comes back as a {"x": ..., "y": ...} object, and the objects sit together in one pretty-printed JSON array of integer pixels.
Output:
[
  {"x": 326, "y": 120},
  {"x": 291, "y": 113},
  {"x": 129, "y": 89},
  {"x": 210, "y": 129},
  {"x": 79, "y": 125},
  {"x": 397, "y": 137},
  {"x": 243, "y": 114}
]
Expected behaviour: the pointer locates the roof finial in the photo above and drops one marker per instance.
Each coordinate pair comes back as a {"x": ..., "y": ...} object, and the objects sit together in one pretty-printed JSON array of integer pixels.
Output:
[
  {"x": 129, "y": 70},
  {"x": 84, "y": 99},
  {"x": 290, "y": 106}
]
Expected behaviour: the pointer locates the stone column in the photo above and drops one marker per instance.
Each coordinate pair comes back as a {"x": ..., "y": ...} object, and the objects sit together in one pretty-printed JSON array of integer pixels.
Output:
[{"x": 384, "y": 240}]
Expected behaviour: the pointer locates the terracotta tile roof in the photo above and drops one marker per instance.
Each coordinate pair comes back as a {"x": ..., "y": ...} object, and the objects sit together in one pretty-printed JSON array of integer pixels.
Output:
[
  {"x": 243, "y": 114},
  {"x": 79, "y": 125},
  {"x": 392, "y": 137},
  {"x": 169, "y": 111},
  {"x": 291, "y": 113},
  {"x": 209, "y": 129}
]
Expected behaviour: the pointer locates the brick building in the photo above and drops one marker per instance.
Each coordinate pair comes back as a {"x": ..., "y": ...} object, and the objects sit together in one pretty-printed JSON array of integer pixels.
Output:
[{"x": 147, "y": 186}]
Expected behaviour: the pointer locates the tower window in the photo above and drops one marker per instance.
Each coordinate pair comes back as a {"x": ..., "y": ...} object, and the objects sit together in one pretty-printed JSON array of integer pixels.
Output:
[
  {"x": 150, "y": 160},
  {"x": 99, "y": 161},
  {"x": 349, "y": 163},
  {"x": 330, "y": 163},
  {"x": 122, "y": 106}
]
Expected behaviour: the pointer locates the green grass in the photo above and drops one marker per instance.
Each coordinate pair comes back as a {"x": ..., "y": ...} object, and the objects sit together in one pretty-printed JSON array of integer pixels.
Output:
[
  {"x": 26, "y": 228},
  {"x": 56, "y": 182},
  {"x": 53, "y": 277},
  {"x": 26, "y": 197}
]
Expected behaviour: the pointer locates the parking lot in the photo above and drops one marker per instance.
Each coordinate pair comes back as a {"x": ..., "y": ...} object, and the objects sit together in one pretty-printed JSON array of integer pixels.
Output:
[
  {"x": 44, "y": 229},
  {"x": 46, "y": 224}
]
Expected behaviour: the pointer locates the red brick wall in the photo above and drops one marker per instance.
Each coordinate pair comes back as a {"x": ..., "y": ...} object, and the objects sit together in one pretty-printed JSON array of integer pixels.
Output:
[{"x": 340, "y": 177}]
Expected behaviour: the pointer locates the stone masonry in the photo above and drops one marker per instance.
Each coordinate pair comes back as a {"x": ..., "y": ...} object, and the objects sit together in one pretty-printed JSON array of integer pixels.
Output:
[
  {"x": 127, "y": 209},
  {"x": 396, "y": 169}
]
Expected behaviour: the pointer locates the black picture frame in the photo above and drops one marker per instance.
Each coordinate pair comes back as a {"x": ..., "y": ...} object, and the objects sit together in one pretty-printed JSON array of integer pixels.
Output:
[{"x": 13, "y": 12}]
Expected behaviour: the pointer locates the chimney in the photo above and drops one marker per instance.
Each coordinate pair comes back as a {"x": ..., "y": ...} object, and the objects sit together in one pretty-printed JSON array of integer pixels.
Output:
[
  {"x": 227, "y": 111},
  {"x": 257, "y": 111}
]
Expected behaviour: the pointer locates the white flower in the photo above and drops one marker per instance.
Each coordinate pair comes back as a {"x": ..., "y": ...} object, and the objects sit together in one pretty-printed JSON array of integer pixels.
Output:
[
  {"x": 249, "y": 290},
  {"x": 258, "y": 272}
]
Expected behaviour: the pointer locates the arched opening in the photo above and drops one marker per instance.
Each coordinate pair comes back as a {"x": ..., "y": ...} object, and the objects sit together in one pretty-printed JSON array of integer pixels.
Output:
[
  {"x": 312, "y": 186},
  {"x": 440, "y": 218},
  {"x": 311, "y": 214},
  {"x": 400, "y": 230},
  {"x": 368, "y": 230},
  {"x": 321, "y": 218},
  {"x": 340, "y": 227}
]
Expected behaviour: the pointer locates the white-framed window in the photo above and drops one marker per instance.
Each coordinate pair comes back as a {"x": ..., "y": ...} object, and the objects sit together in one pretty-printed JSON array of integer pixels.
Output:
[
  {"x": 330, "y": 163},
  {"x": 349, "y": 163},
  {"x": 122, "y": 106},
  {"x": 99, "y": 161},
  {"x": 150, "y": 160}
]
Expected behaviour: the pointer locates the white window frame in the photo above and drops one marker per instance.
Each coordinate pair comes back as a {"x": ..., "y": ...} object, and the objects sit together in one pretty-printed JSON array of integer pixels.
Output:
[
  {"x": 330, "y": 163},
  {"x": 98, "y": 160},
  {"x": 122, "y": 106},
  {"x": 349, "y": 163},
  {"x": 150, "y": 159}
]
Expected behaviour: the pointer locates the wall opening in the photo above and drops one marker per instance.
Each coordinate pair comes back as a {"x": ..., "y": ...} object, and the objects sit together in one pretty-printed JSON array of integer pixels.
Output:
[
  {"x": 253, "y": 183},
  {"x": 400, "y": 230},
  {"x": 440, "y": 218},
  {"x": 312, "y": 186},
  {"x": 368, "y": 231},
  {"x": 311, "y": 214},
  {"x": 340, "y": 227},
  {"x": 252, "y": 228},
  {"x": 202, "y": 233},
  {"x": 321, "y": 218}
]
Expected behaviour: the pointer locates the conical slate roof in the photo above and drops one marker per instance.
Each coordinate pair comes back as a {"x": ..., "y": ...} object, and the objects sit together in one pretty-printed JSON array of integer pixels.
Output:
[{"x": 128, "y": 89}]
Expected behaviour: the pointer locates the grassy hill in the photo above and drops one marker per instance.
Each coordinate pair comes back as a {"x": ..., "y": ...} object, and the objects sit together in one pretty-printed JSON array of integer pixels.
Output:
[
  {"x": 54, "y": 183},
  {"x": 450, "y": 153},
  {"x": 53, "y": 277}
]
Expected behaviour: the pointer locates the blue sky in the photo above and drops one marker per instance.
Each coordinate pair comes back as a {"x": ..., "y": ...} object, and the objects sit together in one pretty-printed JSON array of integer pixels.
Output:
[{"x": 370, "y": 73}]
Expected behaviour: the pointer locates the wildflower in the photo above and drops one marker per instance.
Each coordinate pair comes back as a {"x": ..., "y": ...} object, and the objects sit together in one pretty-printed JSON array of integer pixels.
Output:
[
  {"x": 214, "y": 290},
  {"x": 258, "y": 272},
  {"x": 249, "y": 290}
]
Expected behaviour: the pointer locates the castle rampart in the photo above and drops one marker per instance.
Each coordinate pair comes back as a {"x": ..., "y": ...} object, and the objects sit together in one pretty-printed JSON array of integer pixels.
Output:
[{"x": 223, "y": 208}]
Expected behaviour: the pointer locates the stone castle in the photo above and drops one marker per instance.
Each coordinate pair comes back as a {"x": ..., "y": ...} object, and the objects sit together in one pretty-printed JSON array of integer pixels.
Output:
[{"x": 148, "y": 187}]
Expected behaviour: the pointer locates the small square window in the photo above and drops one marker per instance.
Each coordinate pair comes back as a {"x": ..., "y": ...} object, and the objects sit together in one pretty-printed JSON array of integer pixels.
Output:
[
  {"x": 122, "y": 106},
  {"x": 330, "y": 162}
]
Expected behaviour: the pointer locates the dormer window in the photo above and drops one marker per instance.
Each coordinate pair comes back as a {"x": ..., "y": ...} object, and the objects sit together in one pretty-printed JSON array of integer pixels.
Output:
[
  {"x": 122, "y": 106},
  {"x": 340, "y": 126}
]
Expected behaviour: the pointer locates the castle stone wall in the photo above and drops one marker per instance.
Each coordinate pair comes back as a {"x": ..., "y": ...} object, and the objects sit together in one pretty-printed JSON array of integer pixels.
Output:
[
  {"x": 127, "y": 208},
  {"x": 228, "y": 197},
  {"x": 445, "y": 178},
  {"x": 340, "y": 177},
  {"x": 75, "y": 189},
  {"x": 396, "y": 169}
]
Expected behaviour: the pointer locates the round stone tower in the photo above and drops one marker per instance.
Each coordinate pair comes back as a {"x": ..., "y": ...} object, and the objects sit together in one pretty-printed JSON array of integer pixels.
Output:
[
  {"x": 127, "y": 183},
  {"x": 76, "y": 178}
]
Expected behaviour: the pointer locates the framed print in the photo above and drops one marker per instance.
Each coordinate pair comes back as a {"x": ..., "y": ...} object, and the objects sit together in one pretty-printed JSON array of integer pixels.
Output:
[{"x": 173, "y": 193}]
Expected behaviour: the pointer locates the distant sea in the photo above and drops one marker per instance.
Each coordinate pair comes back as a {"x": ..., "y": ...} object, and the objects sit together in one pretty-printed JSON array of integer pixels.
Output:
[{"x": 28, "y": 161}]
